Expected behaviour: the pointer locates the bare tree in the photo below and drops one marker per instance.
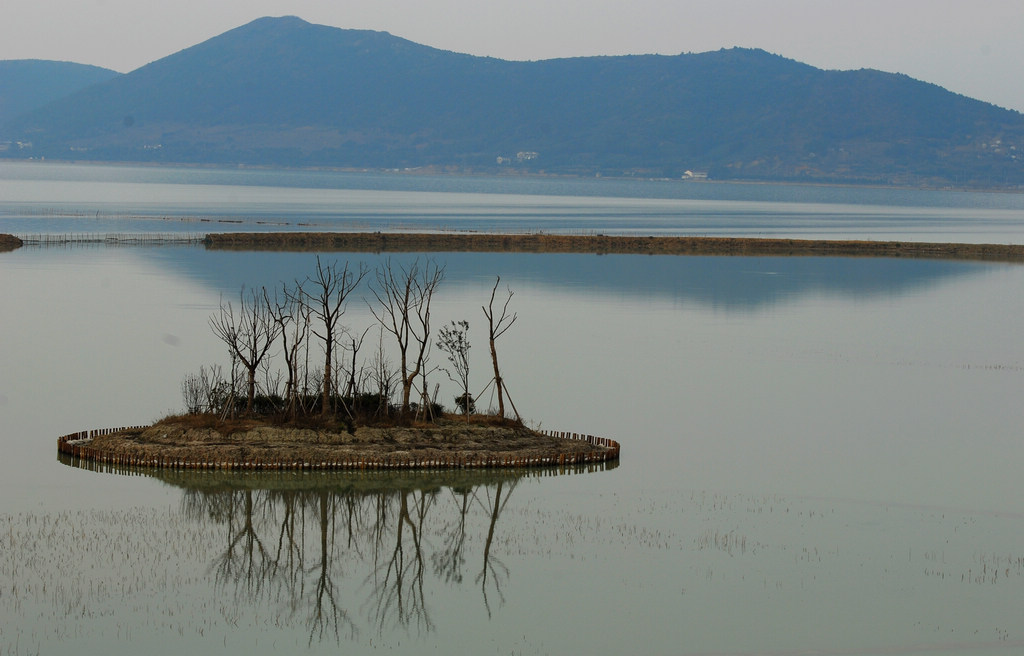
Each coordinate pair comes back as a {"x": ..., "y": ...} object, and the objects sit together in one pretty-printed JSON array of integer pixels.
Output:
[
  {"x": 215, "y": 389},
  {"x": 382, "y": 376},
  {"x": 248, "y": 336},
  {"x": 291, "y": 314},
  {"x": 453, "y": 340},
  {"x": 427, "y": 402},
  {"x": 352, "y": 367},
  {"x": 192, "y": 392},
  {"x": 404, "y": 296},
  {"x": 326, "y": 293},
  {"x": 271, "y": 385},
  {"x": 495, "y": 330}
]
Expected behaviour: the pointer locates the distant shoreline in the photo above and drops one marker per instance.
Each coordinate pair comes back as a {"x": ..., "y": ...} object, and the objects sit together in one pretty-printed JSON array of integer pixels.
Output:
[
  {"x": 379, "y": 242},
  {"x": 441, "y": 171}
]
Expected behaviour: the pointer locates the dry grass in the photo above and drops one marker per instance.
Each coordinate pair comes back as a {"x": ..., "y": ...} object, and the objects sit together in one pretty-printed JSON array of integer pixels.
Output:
[
  {"x": 209, "y": 422},
  {"x": 329, "y": 424}
]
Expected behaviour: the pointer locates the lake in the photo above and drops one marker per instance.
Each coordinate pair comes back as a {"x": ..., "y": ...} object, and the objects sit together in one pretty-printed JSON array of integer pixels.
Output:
[
  {"x": 59, "y": 199},
  {"x": 819, "y": 455}
]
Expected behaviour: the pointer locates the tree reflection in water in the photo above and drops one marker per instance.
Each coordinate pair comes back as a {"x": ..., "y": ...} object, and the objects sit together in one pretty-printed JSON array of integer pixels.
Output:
[
  {"x": 492, "y": 565},
  {"x": 397, "y": 579},
  {"x": 295, "y": 572},
  {"x": 332, "y": 549}
]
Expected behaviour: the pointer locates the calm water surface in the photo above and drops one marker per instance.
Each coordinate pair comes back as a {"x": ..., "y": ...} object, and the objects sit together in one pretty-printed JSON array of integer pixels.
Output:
[
  {"x": 819, "y": 456},
  {"x": 56, "y": 199}
]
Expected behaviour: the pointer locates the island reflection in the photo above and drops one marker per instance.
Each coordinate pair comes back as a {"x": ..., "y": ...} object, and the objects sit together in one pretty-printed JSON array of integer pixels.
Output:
[
  {"x": 336, "y": 554},
  {"x": 731, "y": 283}
]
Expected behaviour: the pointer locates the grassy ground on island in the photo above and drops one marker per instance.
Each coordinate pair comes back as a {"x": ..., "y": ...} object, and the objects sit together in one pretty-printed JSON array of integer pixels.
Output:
[{"x": 254, "y": 443}]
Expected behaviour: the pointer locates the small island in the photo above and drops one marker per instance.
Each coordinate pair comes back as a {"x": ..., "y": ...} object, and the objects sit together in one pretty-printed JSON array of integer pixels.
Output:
[
  {"x": 9, "y": 242},
  {"x": 189, "y": 442},
  {"x": 396, "y": 242},
  {"x": 299, "y": 393}
]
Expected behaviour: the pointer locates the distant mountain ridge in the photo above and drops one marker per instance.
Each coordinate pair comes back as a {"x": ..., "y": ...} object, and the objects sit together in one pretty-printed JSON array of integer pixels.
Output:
[
  {"x": 281, "y": 91},
  {"x": 26, "y": 84}
]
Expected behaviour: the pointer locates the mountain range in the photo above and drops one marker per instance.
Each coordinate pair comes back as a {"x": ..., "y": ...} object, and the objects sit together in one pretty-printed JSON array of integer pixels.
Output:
[
  {"x": 26, "y": 84},
  {"x": 284, "y": 92}
]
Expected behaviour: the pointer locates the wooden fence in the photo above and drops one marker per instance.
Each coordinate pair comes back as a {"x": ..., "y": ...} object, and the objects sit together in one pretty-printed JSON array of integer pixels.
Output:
[
  {"x": 112, "y": 238},
  {"x": 78, "y": 445}
]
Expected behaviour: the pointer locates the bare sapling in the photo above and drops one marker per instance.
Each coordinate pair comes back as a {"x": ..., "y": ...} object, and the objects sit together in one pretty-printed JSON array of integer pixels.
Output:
[
  {"x": 352, "y": 387},
  {"x": 192, "y": 393},
  {"x": 453, "y": 340},
  {"x": 426, "y": 404},
  {"x": 495, "y": 329}
]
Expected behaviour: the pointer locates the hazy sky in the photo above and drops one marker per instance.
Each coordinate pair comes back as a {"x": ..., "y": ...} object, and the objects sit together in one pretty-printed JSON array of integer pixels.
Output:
[{"x": 974, "y": 48}]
